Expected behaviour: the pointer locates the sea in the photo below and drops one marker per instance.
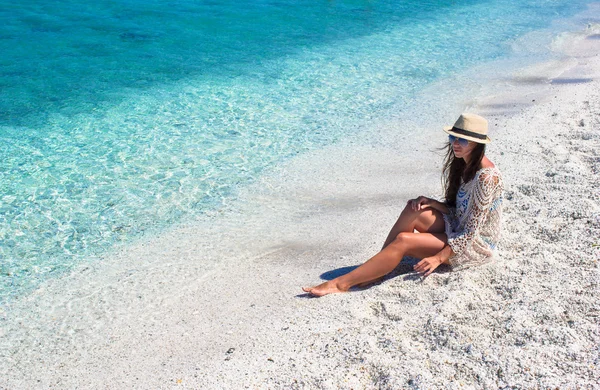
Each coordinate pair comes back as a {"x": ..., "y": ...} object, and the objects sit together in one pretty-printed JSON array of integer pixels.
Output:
[{"x": 121, "y": 119}]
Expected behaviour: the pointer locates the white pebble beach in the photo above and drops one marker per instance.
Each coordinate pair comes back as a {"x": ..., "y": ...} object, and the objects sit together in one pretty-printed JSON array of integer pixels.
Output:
[{"x": 220, "y": 306}]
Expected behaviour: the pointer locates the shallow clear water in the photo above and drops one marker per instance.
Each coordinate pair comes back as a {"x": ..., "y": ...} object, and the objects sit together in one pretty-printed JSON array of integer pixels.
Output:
[{"x": 119, "y": 118}]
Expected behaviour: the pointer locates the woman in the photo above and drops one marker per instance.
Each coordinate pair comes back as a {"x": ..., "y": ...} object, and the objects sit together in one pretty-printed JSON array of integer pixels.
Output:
[{"x": 461, "y": 232}]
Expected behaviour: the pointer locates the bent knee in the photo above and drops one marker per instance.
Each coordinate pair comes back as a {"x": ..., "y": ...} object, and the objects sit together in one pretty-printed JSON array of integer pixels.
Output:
[
  {"x": 402, "y": 238},
  {"x": 408, "y": 210}
]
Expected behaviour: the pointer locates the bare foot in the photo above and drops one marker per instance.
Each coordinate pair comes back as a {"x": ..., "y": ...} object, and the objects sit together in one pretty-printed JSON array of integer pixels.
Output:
[{"x": 329, "y": 287}]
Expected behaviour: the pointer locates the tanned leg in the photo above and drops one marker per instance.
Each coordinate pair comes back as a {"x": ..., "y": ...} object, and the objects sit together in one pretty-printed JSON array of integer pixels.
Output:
[
  {"x": 425, "y": 221},
  {"x": 418, "y": 245}
]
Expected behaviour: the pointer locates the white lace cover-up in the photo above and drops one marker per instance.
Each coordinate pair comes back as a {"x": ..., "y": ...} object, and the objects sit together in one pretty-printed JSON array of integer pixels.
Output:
[{"x": 473, "y": 227}]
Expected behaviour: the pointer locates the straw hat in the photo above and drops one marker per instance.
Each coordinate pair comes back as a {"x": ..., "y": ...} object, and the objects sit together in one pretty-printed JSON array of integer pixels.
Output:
[{"x": 470, "y": 126}]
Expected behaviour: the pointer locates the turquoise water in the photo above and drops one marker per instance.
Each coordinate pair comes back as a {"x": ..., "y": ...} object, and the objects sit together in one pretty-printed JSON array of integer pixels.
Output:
[{"x": 121, "y": 118}]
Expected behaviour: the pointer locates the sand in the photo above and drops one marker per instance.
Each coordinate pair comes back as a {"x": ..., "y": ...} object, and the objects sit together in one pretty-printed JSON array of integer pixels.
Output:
[{"x": 218, "y": 304}]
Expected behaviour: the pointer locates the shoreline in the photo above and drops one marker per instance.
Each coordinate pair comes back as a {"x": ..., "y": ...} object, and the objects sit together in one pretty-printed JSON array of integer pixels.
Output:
[{"x": 245, "y": 322}]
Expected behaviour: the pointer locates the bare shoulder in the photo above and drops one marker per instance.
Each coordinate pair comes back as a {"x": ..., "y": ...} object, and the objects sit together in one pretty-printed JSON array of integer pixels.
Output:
[
  {"x": 487, "y": 163},
  {"x": 488, "y": 174},
  {"x": 487, "y": 171}
]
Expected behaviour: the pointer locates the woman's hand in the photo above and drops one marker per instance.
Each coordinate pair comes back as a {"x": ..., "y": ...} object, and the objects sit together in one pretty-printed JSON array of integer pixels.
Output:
[
  {"x": 427, "y": 265},
  {"x": 421, "y": 202}
]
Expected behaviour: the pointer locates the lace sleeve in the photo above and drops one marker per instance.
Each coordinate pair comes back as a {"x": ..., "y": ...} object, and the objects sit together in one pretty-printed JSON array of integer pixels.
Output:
[{"x": 482, "y": 197}]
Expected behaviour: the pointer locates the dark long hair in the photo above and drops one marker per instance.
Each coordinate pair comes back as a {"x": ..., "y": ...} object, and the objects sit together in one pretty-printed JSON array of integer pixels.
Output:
[{"x": 456, "y": 168}]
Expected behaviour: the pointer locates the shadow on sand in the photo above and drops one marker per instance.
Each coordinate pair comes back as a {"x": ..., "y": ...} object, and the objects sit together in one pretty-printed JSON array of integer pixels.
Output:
[{"x": 570, "y": 81}]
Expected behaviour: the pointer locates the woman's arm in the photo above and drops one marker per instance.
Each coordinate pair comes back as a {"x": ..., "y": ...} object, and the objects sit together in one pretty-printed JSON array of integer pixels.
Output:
[
  {"x": 423, "y": 202},
  {"x": 429, "y": 264}
]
